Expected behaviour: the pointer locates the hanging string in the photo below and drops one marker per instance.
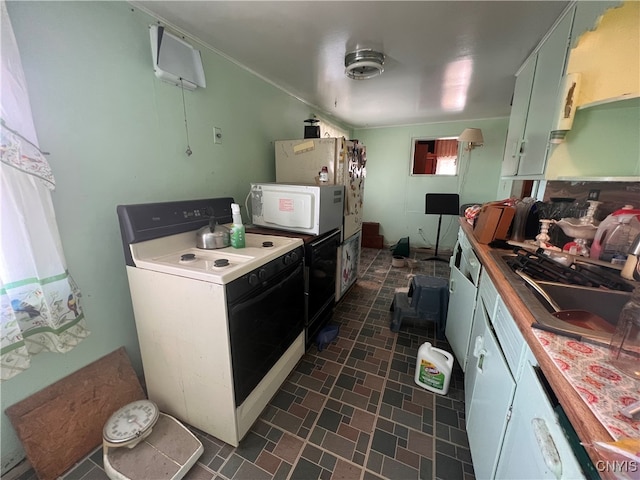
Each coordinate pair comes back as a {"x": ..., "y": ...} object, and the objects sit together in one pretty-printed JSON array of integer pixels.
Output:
[{"x": 186, "y": 125}]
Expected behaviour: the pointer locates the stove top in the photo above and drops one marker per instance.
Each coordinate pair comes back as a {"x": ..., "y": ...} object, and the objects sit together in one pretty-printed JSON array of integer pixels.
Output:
[
  {"x": 540, "y": 267},
  {"x": 177, "y": 255}
]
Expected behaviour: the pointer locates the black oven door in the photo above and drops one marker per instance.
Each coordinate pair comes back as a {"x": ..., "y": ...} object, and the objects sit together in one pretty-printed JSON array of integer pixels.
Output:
[
  {"x": 321, "y": 265},
  {"x": 262, "y": 326}
]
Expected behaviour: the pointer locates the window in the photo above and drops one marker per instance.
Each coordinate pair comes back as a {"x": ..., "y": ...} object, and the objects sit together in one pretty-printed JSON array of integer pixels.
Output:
[{"x": 434, "y": 156}]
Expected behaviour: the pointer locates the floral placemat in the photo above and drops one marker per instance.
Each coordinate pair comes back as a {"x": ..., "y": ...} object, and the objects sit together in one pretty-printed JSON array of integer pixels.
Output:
[{"x": 603, "y": 388}]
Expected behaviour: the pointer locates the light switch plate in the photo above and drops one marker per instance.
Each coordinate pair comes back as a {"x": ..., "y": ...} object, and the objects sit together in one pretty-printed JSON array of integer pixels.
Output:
[{"x": 217, "y": 135}]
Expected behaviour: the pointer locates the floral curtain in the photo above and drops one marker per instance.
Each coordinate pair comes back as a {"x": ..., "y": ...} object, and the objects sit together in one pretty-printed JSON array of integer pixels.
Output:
[{"x": 40, "y": 306}]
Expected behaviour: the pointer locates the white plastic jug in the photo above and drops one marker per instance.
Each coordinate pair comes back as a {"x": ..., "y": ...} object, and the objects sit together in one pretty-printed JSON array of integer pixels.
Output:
[{"x": 433, "y": 368}]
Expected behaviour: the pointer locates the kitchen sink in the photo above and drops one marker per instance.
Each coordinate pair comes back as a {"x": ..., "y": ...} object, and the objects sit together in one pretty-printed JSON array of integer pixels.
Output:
[{"x": 606, "y": 304}]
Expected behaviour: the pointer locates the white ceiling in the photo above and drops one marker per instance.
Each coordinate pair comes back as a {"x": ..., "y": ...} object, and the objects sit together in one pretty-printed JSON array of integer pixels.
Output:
[{"x": 445, "y": 60}]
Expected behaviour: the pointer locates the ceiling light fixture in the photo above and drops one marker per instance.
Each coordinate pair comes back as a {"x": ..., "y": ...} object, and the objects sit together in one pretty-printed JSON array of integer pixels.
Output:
[
  {"x": 363, "y": 64},
  {"x": 472, "y": 137}
]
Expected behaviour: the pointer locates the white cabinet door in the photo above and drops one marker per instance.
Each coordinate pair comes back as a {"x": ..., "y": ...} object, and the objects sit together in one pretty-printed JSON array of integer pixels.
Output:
[
  {"x": 518, "y": 118},
  {"x": 462, "y": 301},
  {"x": 534, "y": 445},
  {"x": 492, "y": 395},
  {"x": 476, "y": 345},
  {"x": 544, "y": 98}
]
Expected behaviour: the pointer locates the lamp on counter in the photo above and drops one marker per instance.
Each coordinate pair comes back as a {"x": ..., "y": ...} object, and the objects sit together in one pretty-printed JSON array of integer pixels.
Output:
[{"x": 472, "y": 137}]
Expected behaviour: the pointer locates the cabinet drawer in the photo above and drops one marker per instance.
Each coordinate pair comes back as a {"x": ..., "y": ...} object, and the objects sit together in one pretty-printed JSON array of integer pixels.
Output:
[
  {"x": 488, "y": 293},
  {"x": 510, "y": 338}
]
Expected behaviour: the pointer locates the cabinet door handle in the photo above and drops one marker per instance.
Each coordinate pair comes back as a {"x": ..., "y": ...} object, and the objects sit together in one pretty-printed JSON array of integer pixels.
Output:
[
  {"x": 516, "y": 148},
  {"x": 547, "y": 446},
  {"x": 452, "y": 286},
  {"x": 477, "y": 346},
  {"x": 481, "y": 356}
]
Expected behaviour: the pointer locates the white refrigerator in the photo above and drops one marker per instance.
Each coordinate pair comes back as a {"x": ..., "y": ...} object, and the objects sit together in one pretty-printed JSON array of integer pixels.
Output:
[{"x": 301, "y": 161}]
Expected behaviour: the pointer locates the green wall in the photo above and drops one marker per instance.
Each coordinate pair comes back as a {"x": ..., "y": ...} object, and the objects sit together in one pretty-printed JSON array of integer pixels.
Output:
[
  {"x": 603, "y": 142},
  {"x": 116, "y": 136},
  {"x": 396, "y": 200}
]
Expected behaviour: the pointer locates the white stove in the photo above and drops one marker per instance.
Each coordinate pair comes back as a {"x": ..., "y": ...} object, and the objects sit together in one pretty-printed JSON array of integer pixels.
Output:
[
  {"x": 219, "y": 330},
  {"x": 177, "y": 255}
]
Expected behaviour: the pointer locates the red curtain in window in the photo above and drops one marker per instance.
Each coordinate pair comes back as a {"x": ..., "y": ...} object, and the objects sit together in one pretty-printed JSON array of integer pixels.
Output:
[{"x": 447, "y": 148}]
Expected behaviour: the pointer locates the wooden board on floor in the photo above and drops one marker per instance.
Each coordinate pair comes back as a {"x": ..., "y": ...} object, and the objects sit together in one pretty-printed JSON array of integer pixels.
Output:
[{"x": 61, "y": 424}]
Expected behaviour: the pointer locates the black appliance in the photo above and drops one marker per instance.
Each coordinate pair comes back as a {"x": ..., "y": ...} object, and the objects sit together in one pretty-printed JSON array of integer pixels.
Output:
[
  {"x": 321, "y": 263},
  {"x": 313, "y": 129},
  {"x": 320, "y": 276},
  {"x": 265, "y": 316}
]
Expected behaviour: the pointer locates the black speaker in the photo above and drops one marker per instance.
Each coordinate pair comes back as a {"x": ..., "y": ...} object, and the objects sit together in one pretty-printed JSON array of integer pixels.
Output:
[
  {"x": 311, "y": 131},
  {"x": 442, "y": 204}
]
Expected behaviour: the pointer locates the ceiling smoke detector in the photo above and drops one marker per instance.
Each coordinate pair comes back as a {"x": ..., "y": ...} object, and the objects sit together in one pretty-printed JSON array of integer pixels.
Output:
[{"x": 363, "y": 64}]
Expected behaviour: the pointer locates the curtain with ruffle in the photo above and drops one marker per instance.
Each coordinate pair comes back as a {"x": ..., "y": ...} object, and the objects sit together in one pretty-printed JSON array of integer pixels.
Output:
[
  {"x": 40, "y": 308},
  {"x": 447, "y": 156}
]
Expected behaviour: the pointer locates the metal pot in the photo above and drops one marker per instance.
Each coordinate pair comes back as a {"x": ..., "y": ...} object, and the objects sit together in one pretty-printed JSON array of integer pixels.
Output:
[{"x": 213, "y": 236}]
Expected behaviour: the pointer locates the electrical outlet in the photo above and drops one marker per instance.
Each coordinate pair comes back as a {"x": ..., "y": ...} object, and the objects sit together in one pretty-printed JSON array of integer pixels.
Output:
[
  {"x": 217, "y": 135},
  {"x": 593, "y": 195}
]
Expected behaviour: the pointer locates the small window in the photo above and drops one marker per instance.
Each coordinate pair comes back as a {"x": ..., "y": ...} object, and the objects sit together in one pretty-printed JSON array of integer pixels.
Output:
[{"x": 434, "y": 156}]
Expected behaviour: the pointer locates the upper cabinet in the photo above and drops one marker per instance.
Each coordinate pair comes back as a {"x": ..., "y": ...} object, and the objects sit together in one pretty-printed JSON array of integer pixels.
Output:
[
  {"x": 604, "y": 41},
  {"x": 537, "y": 87},
  {"x": 514, "y": 148}
]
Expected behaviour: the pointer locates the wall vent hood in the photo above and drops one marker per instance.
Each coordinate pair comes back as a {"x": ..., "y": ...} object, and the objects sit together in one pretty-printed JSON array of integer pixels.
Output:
[{"x": 174, "y": 60}]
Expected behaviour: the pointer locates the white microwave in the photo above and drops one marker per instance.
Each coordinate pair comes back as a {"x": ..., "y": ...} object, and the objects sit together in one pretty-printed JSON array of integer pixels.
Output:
[{"x": 311, "y": 209}]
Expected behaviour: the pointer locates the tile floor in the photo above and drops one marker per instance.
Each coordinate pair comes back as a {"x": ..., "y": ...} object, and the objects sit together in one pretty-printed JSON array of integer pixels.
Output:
[{"x": 351, "y": 411}]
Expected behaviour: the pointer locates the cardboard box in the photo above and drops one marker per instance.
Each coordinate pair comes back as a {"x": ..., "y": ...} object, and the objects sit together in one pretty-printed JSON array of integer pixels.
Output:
[
  {"x": 370, "y": 228},
  {"x": 493, "y": 222},
  {"x": 372, "y": 241}
]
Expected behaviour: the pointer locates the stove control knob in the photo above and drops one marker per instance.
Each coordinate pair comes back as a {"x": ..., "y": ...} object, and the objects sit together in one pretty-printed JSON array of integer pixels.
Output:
[
  {"x": 253, "y": 279},
  {"x": 286, "y": 259},
  {"x": 294, "y": 256},
  {"x": 262, "y": 274}
]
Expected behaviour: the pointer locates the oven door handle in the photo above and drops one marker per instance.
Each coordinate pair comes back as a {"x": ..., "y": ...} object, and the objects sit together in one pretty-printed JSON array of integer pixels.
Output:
[
  {"x": 334, "y": 237},
  {"x": 268, "y": 292}
]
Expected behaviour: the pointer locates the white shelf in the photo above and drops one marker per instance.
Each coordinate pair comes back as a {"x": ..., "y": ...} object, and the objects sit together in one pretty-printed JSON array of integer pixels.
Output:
[
  {"x": 595, "y": 179},
  {"x": 630, "y": 100}
]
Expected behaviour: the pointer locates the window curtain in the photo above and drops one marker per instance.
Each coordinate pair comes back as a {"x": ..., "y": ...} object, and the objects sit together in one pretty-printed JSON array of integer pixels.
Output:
[
  {"x": 447, "y": 148},
  {"x": 447, "y": 155},
  {"x": 40, "y": 308}
]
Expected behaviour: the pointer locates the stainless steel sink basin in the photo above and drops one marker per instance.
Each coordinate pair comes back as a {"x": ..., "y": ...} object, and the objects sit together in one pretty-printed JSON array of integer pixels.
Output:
[
  {"x": 604, "y": 303},
  {"x": 607, "y": 304}
]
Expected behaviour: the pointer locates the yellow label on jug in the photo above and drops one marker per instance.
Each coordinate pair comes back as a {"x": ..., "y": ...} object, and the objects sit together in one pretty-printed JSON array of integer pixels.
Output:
[{"x": 430, "y": 375}]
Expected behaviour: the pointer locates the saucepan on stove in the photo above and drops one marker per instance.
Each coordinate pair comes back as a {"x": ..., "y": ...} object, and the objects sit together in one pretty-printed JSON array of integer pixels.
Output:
[{"x": 213, "y": 236}]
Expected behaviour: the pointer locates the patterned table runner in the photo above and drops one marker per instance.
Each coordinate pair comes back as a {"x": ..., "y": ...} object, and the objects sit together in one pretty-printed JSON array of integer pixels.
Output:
[{"x": 601, "y": 386}]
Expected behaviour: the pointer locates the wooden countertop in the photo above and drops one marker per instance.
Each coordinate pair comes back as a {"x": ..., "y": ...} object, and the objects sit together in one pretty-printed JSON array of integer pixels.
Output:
[{"x": 587, "y": 426}]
